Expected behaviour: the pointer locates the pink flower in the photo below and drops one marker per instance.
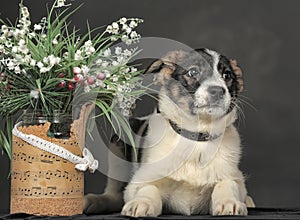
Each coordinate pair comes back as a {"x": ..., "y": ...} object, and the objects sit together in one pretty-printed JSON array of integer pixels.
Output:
[
  {"x": 90, "y": 80},
  {"x": 101, "y": 76},
  {"x": 76, "y": 70}
]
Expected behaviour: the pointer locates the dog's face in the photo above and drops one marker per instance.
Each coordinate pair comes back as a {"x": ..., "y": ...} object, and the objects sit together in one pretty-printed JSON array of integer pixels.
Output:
[{"x": 201, "y": 82}]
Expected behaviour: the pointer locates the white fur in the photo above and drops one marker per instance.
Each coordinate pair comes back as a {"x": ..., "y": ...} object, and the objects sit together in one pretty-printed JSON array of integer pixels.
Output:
[
  {"x": 172, "y": 168},
  {"x": 185, "y": 176}
]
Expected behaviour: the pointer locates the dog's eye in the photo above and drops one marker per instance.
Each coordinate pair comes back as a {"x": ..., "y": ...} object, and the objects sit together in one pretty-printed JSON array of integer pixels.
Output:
[
  {"x": 226, "y": 75},
  {"x": 193, "y": 72}
]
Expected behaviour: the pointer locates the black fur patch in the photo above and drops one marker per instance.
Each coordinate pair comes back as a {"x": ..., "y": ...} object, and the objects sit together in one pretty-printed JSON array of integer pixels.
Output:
[{"x": 225, "y": 68}]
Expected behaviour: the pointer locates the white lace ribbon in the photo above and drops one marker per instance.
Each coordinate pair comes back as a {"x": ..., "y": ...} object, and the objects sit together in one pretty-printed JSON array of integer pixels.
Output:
[{"x": 81, "y": 163}]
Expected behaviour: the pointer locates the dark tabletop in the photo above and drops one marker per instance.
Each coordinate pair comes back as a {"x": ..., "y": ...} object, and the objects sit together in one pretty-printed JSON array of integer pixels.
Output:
[{"x": 254, "y": 213}]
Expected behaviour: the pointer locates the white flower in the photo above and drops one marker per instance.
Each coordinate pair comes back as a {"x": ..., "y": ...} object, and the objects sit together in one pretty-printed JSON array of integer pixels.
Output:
[
  {"x": 124, "y": 38},
  {"x": 8, "y": 44},
  {"x": 9, "y": 34},
  {"x": 109, "y": 29},
  {"x": 32, "y": 62},
  {"x": 125, "y": 27},
  {"x": 65, "y": 55},
  {"x": 23, "y": 49},
  {"x": 120, "y": 59},
  {"x": 133, "y": 69},
  {"x": 14, "y": 49},
  {"x": 118, "y": 50},
  {"x": 22, "y": 33},
  {"x": 78, "y": 55},
  {"x": 31, "y": 35},
  {"x": 115, "y": 63},
  {"x": 61, "y": 3},
  {"x": 126, "y": 70},
  {"x": 89, "y": 50},
  {"x": 85, "y": 70},
  {"x": 115, "y": 78},
  {"x": 44, "y": 36},
  {"x": 4, "y": 29},
  {"x": 45, "y": 69},
  {"x": 133, "y": 35},
  {"x": 17, "y": 70},
  {"x": 57, "y": 60},
  {"x": 18, "y": 58},
  {"x": 40, "y": 64},
  {"x": 26, "y": 24},
  {"x": 123, "y": 20},
  {"x": 27, "y": 59},
  {"x": 54, "y": 41},
  {"x": 21, "y": 42},
  {"x": 2, "y": 39},
  {"x": 88, "y": 43},
  {"x": 127, "y": 53},
  {"x": 113, "y": 38},
  {"x": 53, "y": 60},
  {"x": 17, "y": 33},
  {"x": 128, "y": 30},
  {"x": 34, "y": 93},
  {"x": 37, "y": 27},
  {"x": 107, "y": 52},
  {"x": 46, "y": 60},
  {"x": 24, "y": 11},
  {"x": 115, "y": 27},
  {"x": 10, "y": 65},
  {"x": 128, "y": 41},
  {"x": 107, "y": 73},
  {"x": 133, "y": 24}
]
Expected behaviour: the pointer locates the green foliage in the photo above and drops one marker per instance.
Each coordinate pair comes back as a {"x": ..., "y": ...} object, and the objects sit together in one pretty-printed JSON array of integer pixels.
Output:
[{"x": 45, "y": 65}]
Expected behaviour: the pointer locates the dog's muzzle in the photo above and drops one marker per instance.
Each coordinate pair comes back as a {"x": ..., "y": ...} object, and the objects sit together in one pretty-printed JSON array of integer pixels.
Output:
[{"x": 216, "y": 93}]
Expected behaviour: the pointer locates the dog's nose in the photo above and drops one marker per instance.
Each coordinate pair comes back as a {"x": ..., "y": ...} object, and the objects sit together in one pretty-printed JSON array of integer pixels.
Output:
[{"x": 216, "y": 92}]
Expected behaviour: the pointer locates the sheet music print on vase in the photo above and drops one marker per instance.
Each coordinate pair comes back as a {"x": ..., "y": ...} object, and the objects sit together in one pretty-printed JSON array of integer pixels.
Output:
[{"x": 43, "y": 183}]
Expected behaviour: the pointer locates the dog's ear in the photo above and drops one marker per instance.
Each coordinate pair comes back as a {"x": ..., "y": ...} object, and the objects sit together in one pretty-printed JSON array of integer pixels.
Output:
[
  {"x": 160, "y": 64},
  {"x": 155, "y": 67},
  {"x": 239, "y": 75},
  {"x": 169, "y": 62}
]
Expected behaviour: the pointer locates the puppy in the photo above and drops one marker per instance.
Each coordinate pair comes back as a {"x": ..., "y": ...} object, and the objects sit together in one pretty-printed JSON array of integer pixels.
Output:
[{"x": 191, "y": 149}]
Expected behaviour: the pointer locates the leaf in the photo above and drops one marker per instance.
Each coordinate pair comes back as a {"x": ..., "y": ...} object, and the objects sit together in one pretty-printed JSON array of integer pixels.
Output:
[
  {"x": 6, "y": 139},
  {"x": 125, "y": 127}
]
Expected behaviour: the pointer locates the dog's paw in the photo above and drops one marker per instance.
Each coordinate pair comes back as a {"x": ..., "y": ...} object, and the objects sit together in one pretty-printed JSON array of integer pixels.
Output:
[
  {"x": 103, "y": 203},
  {"x": 229, "y": 207},
  {"x": 140, "y": 207}
]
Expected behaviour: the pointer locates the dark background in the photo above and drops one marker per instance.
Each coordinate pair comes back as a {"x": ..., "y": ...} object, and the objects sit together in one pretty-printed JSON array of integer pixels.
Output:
[{"x": 263, "y": 36}]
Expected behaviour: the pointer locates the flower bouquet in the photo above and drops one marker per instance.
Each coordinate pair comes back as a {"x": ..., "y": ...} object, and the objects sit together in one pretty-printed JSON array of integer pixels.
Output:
[{"x": 48, "y": 70}]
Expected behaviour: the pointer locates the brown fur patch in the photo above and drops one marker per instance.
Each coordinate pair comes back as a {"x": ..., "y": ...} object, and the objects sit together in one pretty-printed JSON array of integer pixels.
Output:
[
  {"x": 166, "y": 65},
  {"x": 239, "y": 74},
  {"x": 174, "y": 57}
]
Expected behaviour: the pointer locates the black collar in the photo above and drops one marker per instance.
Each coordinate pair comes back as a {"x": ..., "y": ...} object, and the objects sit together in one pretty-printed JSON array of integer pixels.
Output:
[{"x": 195, "y": 136}]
